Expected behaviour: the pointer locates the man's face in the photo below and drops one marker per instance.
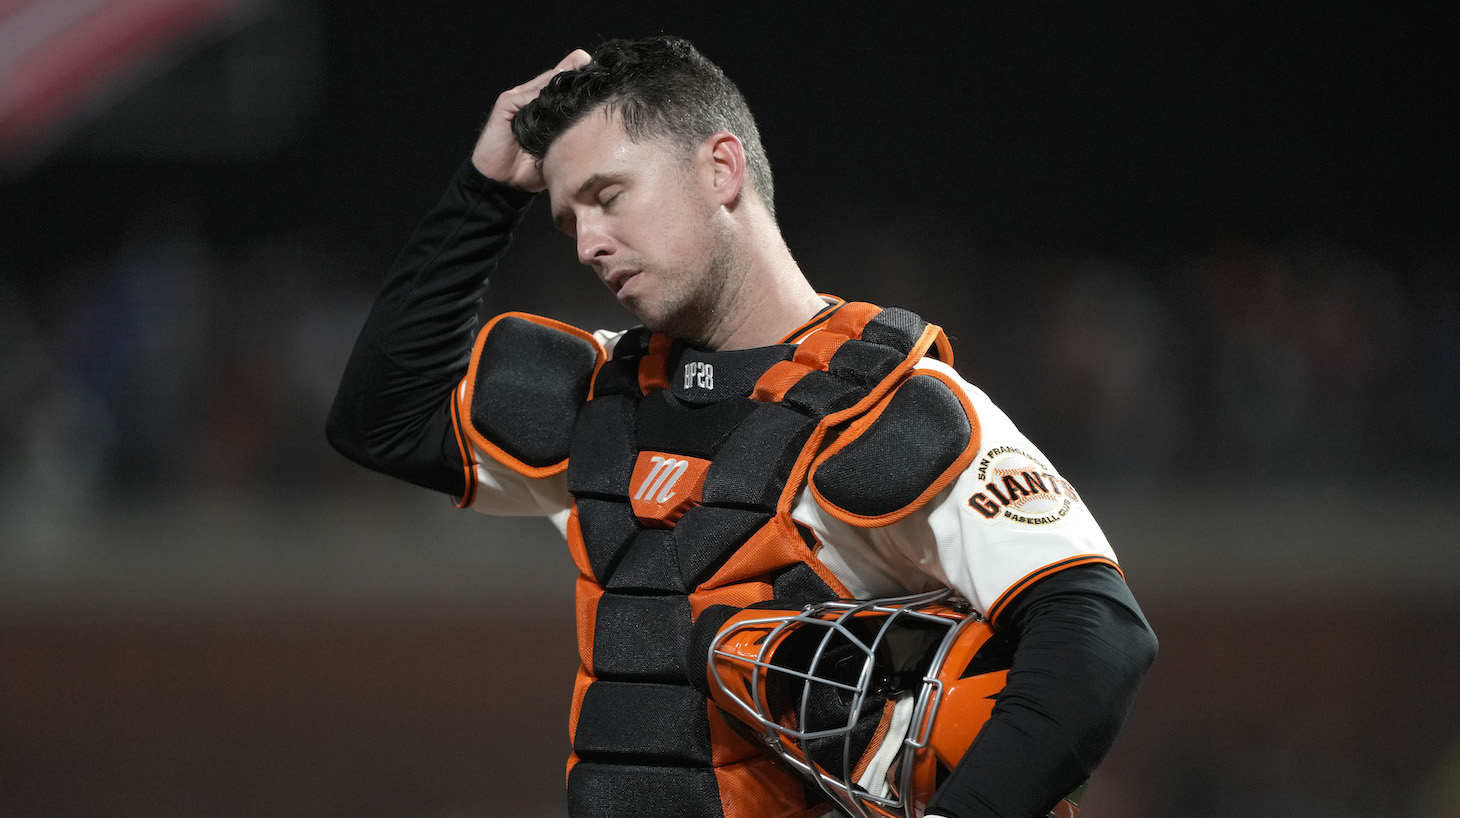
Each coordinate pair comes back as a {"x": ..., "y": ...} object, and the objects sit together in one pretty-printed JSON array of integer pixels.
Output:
[{"x": 644, "y": 219}]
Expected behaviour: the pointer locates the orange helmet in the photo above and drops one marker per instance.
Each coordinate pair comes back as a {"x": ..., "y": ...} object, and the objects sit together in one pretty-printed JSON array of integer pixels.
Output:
[{"x": 871, "y": 701}]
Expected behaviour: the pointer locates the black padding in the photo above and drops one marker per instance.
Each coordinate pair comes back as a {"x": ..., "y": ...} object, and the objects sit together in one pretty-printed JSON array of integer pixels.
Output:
[
  {"x": 697, "y": 653},
  {"x": 633, "y": 343},
  {"x": 608, "y": 527},
  {"x": 732, "y": 373},
  {"x": 922, "y": 432},
  {"x": 896, "y": 328},
  {"x": 624, "y": 791},
  {"x": 821, "y": 393},
  {"x": 531, "y": 381},
  {"x": 641, "y": 637},
  {"x": 864, "y": 363},
  {"x": 603, "y": 448},
  {"x": 617, "y": 377},
  {"x": 638, "y": 722},
  {"x": 752, "y": 466},
  {"x": 666, "y": 424},
  {"x": 649, "y": 564},
  {"x": 799, "y": 584},
  {"x": 706, "y": 536}
]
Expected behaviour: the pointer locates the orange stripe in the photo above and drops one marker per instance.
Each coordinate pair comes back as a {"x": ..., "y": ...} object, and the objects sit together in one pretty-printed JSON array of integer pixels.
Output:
[
  {"x": 586, "y": 598},
  {"x": 773, "y": 385},
  {"x": 852, "y": 318},
  {"x": 654, "y": 366},
  {"x": 847, "y": 320},
  {"x": 468, "y": 461},
  {"x": 1054, "y": 568},
  {"x": 816, "y": 320},
  {"x": 576, "y": 547},
  {"x": 580, "y": 689},
  {"x": 739, "y": 595},
  {"x": 816, "y": 351},
  {"x": 876, "y": 741},
  {"x": 943, "y": 348}
]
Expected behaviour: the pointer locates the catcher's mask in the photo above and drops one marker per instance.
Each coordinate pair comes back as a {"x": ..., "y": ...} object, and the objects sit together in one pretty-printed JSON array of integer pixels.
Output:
[{"x": 872, "y": 701}]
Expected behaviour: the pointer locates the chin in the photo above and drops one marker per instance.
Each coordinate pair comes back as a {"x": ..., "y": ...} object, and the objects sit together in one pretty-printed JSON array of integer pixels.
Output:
[{"x": 686, "y": 319}]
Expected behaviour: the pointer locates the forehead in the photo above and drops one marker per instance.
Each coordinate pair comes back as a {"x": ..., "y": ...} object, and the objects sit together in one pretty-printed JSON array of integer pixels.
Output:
[
  {"x": 596, "y": 146},
  {"x": 592, "y": 145}
]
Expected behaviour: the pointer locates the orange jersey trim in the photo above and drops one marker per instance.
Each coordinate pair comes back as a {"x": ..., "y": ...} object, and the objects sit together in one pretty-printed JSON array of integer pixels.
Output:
[{"x": 1048, "y": 570}]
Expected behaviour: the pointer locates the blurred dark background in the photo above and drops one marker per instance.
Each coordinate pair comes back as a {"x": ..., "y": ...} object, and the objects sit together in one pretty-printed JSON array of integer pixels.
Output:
[{"x": 1204, "y": 254}]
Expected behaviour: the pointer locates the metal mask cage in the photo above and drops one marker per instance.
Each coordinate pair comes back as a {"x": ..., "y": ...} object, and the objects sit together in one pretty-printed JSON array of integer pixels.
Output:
[{"x": 890, "y": 649}]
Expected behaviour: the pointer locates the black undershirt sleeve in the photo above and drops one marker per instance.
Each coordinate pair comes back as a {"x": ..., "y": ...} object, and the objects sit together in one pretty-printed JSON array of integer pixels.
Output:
[
  {"x": 1083, "y": 647},
  {"x": 392, "y": 412}
]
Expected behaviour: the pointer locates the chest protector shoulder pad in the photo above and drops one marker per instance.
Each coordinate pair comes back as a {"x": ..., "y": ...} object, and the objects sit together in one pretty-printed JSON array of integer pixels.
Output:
[
  {"x": 892, "y": 460},
  {"x": 528, "y": 379}
]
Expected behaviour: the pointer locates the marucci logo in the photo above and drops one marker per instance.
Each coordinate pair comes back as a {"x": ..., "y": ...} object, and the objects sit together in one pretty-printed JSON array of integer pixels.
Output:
[
  {"x": 661, "y": 479},
  {"x": 665, "y": 485}
]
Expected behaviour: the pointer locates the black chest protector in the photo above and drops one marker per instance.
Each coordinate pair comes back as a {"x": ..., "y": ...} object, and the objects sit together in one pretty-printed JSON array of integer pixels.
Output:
[{"x": 684, "y": 466}]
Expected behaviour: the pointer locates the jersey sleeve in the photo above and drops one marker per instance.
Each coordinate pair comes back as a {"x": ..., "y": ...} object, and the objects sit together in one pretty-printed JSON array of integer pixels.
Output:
[
  {"x": 1007, "y": 519},
  {"x": 393, "y": 409}
]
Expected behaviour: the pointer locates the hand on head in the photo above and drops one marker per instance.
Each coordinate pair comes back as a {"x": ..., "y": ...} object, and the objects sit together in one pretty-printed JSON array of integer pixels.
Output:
[{"x": 497, "y": 154}]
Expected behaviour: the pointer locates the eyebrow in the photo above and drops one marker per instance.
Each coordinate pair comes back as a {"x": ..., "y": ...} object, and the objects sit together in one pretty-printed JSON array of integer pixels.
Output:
[{"x": 561, "y": 217}]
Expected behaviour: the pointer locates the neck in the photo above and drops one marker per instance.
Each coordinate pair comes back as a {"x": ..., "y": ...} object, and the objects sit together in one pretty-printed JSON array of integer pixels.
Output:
[{"x": 769, "y": 301}]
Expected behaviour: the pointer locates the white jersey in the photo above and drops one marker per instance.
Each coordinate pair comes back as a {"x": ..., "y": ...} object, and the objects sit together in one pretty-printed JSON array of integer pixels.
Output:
[{"x": 1008, "y": 519}]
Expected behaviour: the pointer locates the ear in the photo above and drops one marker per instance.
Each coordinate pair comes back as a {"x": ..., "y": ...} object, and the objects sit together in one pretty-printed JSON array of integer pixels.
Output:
[{"x": 724, "y": 166}]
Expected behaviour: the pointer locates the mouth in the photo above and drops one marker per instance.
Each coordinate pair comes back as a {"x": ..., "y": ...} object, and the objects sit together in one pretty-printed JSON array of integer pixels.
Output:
[{"x": 618, "y": 278}]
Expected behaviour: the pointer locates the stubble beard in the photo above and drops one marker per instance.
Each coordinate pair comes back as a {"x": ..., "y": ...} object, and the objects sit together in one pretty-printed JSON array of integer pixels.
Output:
[{"x": 695, "y": 304}]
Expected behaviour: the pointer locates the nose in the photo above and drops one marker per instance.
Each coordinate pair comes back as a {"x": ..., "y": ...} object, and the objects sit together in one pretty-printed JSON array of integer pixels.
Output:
[{"x": 593, "y": 242}]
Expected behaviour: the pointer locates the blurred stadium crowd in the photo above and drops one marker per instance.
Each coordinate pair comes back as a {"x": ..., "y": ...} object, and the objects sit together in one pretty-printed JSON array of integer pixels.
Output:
[
  {"x": 1248, "y": 358},
  {"x": 1300, "y": 358}
]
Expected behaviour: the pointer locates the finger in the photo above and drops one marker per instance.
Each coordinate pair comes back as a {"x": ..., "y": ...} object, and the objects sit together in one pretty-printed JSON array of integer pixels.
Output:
[{"x": 576, "y": 59}]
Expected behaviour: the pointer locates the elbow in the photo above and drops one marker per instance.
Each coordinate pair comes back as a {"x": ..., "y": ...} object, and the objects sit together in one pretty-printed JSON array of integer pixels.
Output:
[
  {"x": 346, "y": 436},
  {"x": 1144, "y": 647}
]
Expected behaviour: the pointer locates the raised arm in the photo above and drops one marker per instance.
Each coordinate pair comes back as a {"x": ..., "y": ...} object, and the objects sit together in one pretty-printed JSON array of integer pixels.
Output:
[{"x": 392, "y": 410}]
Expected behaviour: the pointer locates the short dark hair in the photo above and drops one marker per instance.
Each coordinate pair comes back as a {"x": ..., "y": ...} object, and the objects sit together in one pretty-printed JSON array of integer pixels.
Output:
[{"x": 658, "y": 86}]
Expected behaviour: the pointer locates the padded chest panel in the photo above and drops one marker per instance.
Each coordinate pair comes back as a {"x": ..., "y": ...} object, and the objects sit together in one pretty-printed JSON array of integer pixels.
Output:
[
  {"x": 604, "y": 447},
  {"x": 646, "y": 742},
  {"x": 665, "y": 423}
]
